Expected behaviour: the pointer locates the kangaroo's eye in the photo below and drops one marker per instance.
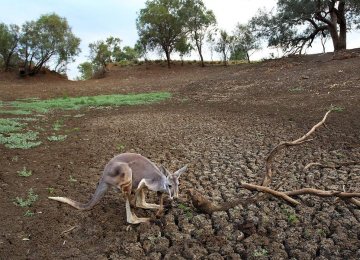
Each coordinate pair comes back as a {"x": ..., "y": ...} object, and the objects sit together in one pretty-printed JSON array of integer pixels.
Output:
[{"x": 170, "y": 185}]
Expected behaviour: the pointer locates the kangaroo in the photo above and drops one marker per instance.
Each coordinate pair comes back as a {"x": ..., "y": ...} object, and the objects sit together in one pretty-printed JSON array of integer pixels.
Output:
[{"x": 128, "y": 172}]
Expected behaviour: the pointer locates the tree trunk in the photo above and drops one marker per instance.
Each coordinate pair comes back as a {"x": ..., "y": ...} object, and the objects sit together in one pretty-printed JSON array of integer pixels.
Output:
[
  {"x": 338, "y": 17},
  {"x": 198, "y": 46},
  {"x": 167, "y": 53},
  {"x": 248, "y": 57},
  {"x": 224, "y": 56},
  {"x": 342, "y": 24}
]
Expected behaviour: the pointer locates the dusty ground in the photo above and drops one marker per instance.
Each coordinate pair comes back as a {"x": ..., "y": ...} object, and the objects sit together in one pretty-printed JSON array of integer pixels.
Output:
[{"x": 222, "y": 122}]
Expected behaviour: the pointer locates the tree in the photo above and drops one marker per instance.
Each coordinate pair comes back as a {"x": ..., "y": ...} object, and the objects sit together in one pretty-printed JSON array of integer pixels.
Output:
[
  {"x": 245, "y": 42},
  {"x": 104, "y": 52},
  {"x": 9, "y": 38},
  {"x": 161, "y": 25},
  {"x": 199, "y": 20},
  {"x": 48, "y": 37},
  {"x": 184, "y": 48},
  {"x": 129, "y": 54},
  {"x": 86, "y": 70},
  {"x": 224, "y": 45},
  {"x": 298, "y": 22}
]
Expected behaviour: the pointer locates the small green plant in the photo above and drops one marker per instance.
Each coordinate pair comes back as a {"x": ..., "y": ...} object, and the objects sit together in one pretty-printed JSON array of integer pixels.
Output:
[
  {"x": 186, "y": 210},
  {"x": 29, "y": 213},
  {"x": 72, "y": 179},
  {"x": 56, "y": 138},
  {"x": 296, "y": 89},
  {"x": 291, "y": 216},
  {"x": 321, "y": 232},
  {"x": 32, "y": 197},
  {"x": 24, "y": 172},
  {"x": 293, "y": 219},
  {"x": 75, "y": 129},
  {"x": 336, "y": 108},
  {"x": 58, "y": 124},
  {"x": 15, "y": 158},
  {"x": 50, "y": 190},
  {"x": 120, "y": 147},
  {"x": 260, "y": 252}
]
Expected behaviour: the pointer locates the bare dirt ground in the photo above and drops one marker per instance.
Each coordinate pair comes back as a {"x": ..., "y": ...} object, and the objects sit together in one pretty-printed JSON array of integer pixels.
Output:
[{"x": 222, "y": 122}]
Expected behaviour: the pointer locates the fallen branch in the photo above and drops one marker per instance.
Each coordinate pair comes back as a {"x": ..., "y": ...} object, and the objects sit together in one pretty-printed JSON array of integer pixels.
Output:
[
  {"x": 322, "y": 193},
  {"x": 205, "y": 206},
  {"x": 268, "y": 175},
  {"x": 275, "y": 193},
  {"x": 332, "y": 165}
]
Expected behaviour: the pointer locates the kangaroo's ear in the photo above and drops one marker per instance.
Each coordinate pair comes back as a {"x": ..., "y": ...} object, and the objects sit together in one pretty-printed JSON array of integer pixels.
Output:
[
  {"x": 180, "y": 171},
  {"x": 163, "y": 170}
]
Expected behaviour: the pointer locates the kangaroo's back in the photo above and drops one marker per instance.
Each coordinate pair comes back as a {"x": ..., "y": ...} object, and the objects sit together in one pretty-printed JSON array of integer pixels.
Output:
[{"x": 141, "y": 167}]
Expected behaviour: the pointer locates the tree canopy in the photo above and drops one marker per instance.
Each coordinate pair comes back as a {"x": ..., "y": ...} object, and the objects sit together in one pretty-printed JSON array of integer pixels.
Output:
[
  {"x": 49, "y": 37},
  {"x": 198, "y": 21},
  {"x": 9, "y": 38},
  {"x": 297, "y": 23},
  {"x": 245, "y": 42},
  {"x": 160, "y": 25}
]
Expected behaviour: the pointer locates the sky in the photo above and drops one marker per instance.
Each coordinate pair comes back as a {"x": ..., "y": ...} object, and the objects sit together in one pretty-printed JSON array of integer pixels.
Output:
[{"x": 96, "y": 20}]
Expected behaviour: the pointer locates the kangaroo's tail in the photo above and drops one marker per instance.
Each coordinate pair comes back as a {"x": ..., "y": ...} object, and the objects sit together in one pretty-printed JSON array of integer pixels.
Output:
[{"x": 99, "y": 193}]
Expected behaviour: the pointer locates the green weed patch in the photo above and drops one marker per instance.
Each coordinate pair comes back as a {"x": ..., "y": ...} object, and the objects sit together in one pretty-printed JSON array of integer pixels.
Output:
[
  {"x": 20, "y": 140},
  {"x": 75, "y": 103},
  {"x": 8, "y": 125}
]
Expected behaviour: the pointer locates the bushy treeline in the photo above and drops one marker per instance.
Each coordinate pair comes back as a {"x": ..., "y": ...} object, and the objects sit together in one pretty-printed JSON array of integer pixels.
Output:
[{"x": 181, "y": 26}]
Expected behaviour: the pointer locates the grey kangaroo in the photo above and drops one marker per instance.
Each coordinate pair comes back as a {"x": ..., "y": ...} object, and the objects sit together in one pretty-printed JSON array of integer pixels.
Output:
[{"x": 127, "y": 172}]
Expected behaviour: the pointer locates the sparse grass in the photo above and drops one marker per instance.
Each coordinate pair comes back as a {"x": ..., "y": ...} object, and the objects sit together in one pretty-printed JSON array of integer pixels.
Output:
[
  {"x": 336, "y": 108},
  {"x": 186, "y": 210},
  {"x": 24, "y": 172},
  {"x": 50, "y": 190},
  {"x": 31, "y": 199},
  {"x": 29, "y": 213},
  {"x": 296, "y": 89},
  {"x": 15, "y": 112},
  {"x": 260, "y": 252},
  {"x": 75, "y": 103},
  {"x": 291, "y": 216},
  {"x": 120, "y": 147},
  {"x": 321, "y": 232},
  {"x": 72, "y": 179},
  {"x": 57, "y": 138},
  {"x": 57, "y": 125},
  {"x": 75, "y": 129},
  {"x": 293, "y": 219}
]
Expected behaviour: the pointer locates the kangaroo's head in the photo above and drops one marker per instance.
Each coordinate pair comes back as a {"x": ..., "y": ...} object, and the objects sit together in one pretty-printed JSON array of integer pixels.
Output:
[{"x": 172, "y": 180}]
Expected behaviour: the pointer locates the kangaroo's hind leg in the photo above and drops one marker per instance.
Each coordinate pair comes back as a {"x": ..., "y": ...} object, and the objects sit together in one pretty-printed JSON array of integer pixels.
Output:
[
  {"x": 140, "y": 197},
  {"x": 124, "y": 182}
]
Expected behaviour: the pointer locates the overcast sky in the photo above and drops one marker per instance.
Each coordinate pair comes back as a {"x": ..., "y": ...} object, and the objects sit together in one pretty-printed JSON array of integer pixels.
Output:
[{"x": 96, "y": 20}]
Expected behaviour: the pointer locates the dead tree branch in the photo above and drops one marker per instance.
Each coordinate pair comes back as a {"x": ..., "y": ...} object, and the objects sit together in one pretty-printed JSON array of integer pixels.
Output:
[{"x": 268, "y": 175}]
